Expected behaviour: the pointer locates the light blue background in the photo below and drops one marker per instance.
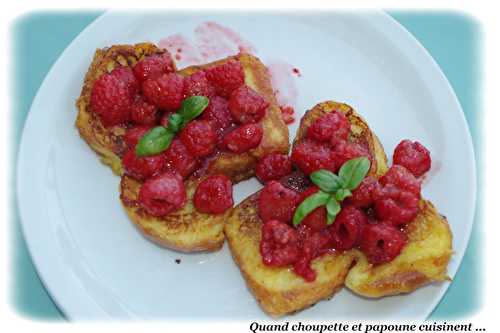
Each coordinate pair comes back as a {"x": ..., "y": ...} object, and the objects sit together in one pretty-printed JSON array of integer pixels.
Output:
[{"x": 452, "y": 39}]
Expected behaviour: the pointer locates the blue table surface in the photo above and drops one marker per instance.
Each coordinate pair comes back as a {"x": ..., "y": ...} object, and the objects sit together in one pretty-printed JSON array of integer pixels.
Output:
[{"x": 453, "y": 40}]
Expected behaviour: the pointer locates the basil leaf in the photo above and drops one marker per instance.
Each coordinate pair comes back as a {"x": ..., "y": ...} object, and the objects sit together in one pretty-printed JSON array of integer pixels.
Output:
[
  {"x": 326, "y": 180},
  {"x": 342, "y": 193},
  {"x": 353, "y": 171},
  {"x": 332, "y": 209},
  {"x": 175, "y": 121},
  {"x": 312, "y": 202},
  {"x": 154, "y": 141},
  {"x": 192, "y": 107}
]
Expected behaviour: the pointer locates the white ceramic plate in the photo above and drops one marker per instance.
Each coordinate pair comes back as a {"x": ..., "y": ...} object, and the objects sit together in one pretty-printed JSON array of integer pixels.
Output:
[{"x": 96, "y": 265}]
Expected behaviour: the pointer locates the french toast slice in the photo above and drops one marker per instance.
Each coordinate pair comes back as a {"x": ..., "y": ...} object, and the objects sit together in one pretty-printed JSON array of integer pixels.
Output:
[
  {"x": 279, "y": 291},
  {"x": 107, "y": 142},
  {"x": 185, "y": 230}
]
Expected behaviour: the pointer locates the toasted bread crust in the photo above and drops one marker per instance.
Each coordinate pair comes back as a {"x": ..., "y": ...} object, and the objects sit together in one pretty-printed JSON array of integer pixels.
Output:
[
  {"x": 107, "y": 142},
  {"x": 423, "y": 260},
  {"x": 279, "y": 290},
  {"x": 185, "y": 230}
]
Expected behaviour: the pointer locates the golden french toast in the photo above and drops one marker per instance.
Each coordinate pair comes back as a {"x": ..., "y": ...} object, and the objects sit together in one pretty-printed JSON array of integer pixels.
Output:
[
  {"x": 185, "y": 229},
  {"x": 280, "y": 291},
  {"x": 107, "y": 142}
]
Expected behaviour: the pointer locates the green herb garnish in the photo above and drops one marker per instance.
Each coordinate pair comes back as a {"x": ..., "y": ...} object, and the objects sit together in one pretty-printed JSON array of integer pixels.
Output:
[
  {"x": 159, "y": 138},
  {"x": 333, "y": 189}
]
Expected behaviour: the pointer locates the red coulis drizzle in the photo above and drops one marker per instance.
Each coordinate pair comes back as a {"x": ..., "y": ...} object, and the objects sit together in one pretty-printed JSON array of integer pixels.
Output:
[{"x": 373, "y": 219}]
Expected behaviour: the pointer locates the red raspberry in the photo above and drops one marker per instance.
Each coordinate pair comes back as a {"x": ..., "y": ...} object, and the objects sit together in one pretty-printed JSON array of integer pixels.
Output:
[
  {"x": 247, "y": 106},
  {"x": 278, "y": 246},
  {"x": 243, "y": 138},
  {"x": 165, "y": 91},
  {"x": 312, "y": 244},
  {"x": 381, "y": 243},
  {"x": 134, "y": 134},
  {"x": 396, "y": 206},
  {"x": 287, "y": 113},
  {"x": 143, "y": 113},
  {"x": 142, "y": 168},
  {"x": 112, "y": 96},
  {"x": 226, "y": 77},
  {"x": 180, "y": 159},
  {"x": 199, "y": 138},
  {"x": 364, "y": 195},
  {"x": 217, "y": 113},
  {"x": 197, "y": 85},
  {"x": 333, "y": 125},
  {"x": 153, "y": 66},
  {"x": 162, "y": 194},
  {"x": 401, "y": 178},
  {"x": 310, "y": 156},
  {"x": 273, "y": 166},
  {"x": 347, "y": 228},
  {"x": 345, "y": 151},
  {"x": 413, "y": 156},
  {"x": 316, "y": 220},
  {"x": 277, "y": 202},
  {"x": 214, "y": 195}
]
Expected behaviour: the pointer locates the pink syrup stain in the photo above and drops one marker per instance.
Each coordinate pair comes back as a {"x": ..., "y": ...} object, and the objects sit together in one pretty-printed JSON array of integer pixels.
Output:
[
  {"x": 183, "y": 51},
  {"x": 283, "y": 82}
]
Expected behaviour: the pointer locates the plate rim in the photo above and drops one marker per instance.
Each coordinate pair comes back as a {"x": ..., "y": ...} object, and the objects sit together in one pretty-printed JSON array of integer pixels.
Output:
[{"x": 85, "y": 303}]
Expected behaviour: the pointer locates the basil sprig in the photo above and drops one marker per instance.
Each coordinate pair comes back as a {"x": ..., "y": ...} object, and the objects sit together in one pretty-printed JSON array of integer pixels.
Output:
[
  {"x": 333, "y": 189},
  {"x": 159, "y": 138}
]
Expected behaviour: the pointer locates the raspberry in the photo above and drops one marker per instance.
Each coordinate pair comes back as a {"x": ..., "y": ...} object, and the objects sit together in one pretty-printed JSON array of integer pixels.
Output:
[
  {"x": 247, "y": 106},
  {"x": 197, "y": 85},
  {"x": 402, "y": 179},
  {"x": 331, "y": 126},
  {"x": 276, "y": 202},
  {"x": 165, "y": 91},
  {"x": 345, "y": 150},
  {"x": 273, "y": 166},
  {"x": 112, "y": 96},
  {"x": 214, "y": 195},
  {"x": 143, "y": 113},
  {"x": 180, "y": 159},
  {"x": 199, "y": 138},
  {"x": 396, "y": 206},
  {"x": 217, "y": 113},
  {"x": 287, "y": 113},
  {"x": 243, "y": 138},
  {"x": 347, "y": 228},
  {"x": 413, "y": 156},
  {"x": 153, "y": 66},
  {"x": 134, "y": 134},
  {"x": 364, "y": 195},
  {"x": 142, "y": 168},
  {"x": 310, "y": 156},
  {"x": 381, "y": 243},
  {"x": 316, "y": 220},
  {"x": 226, "y": 77},
  {"x": 162, "y": 194},
  {"x": 312, "y": 244},
  {"x": 278, "y": 246}
]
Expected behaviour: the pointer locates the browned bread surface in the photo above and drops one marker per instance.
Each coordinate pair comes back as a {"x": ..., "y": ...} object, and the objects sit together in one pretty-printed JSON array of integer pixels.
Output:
[{"x": 279, "y": 291}]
